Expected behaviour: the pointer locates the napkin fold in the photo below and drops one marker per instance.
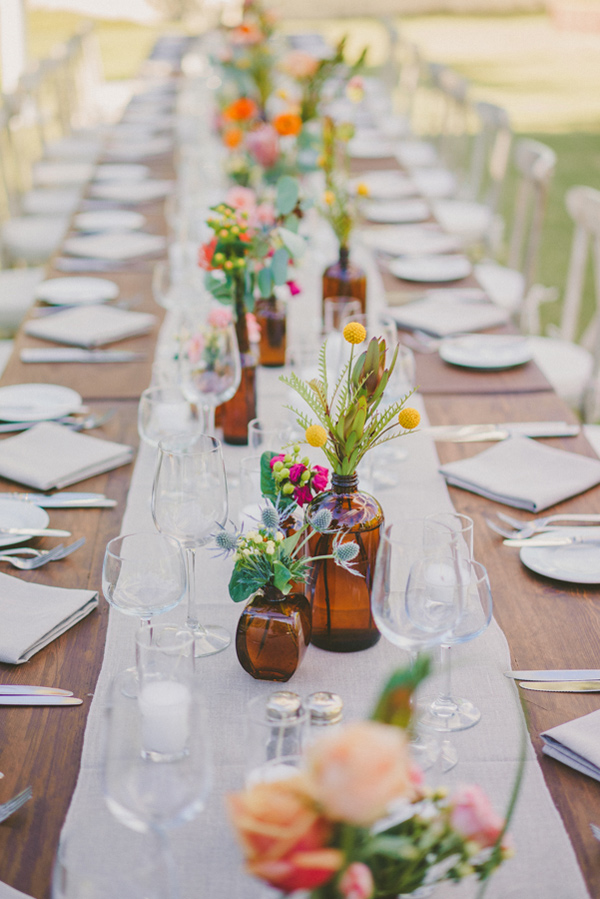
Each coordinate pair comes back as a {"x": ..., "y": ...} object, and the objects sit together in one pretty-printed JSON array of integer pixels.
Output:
[
  {"x": 446, "y": 315},
  {"x": 49, "y": 455},
  {"x": 525, "y": 474},
  {"x": 33, "y": 615},
  {"x": 91, "y": 326},
  {"x": 576, "y": 744}
]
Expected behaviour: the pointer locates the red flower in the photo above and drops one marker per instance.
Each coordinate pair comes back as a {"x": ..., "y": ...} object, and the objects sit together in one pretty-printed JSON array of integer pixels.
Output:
[
  {"x": 320, "y": 478},
  {"x": 206, "y": 253},
  {"x": 296, "y": 472},
  {"x": 302, "y": 495}
]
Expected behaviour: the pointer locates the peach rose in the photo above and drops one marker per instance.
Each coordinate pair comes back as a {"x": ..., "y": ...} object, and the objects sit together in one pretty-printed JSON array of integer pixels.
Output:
[
  {"x": 358, "y": 772},
  {"x": 357, "y": 882},
  {"x": 472, "y": 816},
  {"x": 243, "y": 199},
  {"x": 283, "y": 835},
  {"x": 300, "y": 64}
]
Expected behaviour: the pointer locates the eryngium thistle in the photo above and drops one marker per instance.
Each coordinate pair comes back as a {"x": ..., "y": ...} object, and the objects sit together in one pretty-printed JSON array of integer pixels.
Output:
[
  {"x": 321, "y": 520},
  {"x": 269, "y": 517}
]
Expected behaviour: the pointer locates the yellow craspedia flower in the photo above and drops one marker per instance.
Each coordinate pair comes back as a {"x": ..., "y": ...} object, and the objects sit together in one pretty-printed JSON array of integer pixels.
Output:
[
  {"x": 316, "y": 435},
  {"x": 329, "y": 197},
  {"x": 354, "y": 332},
  {"x": 362, "y": 189},
  {"x": 409, "y": 418}
]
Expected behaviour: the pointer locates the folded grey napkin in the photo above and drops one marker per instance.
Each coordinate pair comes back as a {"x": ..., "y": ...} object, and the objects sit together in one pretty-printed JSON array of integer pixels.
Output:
[
  {"x": 442, "y": 316},
  {"x": 50, "y": 455},
  {"x": 91, "y": 326},
  {"x": 525, "y": 474},
  {"x": 33, "y": 615},
  {"x": 576, "y": 744}
]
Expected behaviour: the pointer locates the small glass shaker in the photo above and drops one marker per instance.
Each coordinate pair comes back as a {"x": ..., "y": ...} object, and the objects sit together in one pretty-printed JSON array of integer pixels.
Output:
[
  {"x": 277, "y": 727},
  {"x": 326, "y": 711}
]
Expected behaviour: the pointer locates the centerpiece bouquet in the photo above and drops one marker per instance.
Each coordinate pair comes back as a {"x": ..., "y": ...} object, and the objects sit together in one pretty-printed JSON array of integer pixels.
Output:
[
  {"x": 346, "y": 420},
  {"x": 358, "y": 822}
]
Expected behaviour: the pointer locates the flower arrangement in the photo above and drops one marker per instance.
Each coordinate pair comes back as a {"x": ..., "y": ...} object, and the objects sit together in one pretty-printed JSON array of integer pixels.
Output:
[
  {"x": 265, "y": 557},
  {"x": 289, "y": 481},
  {"x": 340, "y": 204},
  {"x": 250, "y": 57},
  {"x": 358, "y": 822},
  {"x": 349, "y": 420}
]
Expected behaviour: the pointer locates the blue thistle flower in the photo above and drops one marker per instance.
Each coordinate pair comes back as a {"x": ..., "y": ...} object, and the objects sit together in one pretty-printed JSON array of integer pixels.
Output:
[
  {"x": 344, "y": 554},
  {"x": 321, "y": 520},
  {"x": 225, "y": 542},
  {"x": 270, "y": 518}
]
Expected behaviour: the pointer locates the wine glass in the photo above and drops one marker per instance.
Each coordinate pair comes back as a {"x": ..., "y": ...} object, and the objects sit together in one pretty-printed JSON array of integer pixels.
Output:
[
  {"x": 163, "y": 411},
  {"x": 143, "y": 575},
  {"x": 396, "y": 557},
  {"x": 153, "y": 792},
  {"x": 189, "y": 502},
  {"x": 209, "y": 359}
]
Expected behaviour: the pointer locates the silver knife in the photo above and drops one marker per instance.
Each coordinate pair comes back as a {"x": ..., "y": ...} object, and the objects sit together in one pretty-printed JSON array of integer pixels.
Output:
[
  {"x": 40, "y": 700},
  {"x": 472, "y": 433},
  {"x": 73, "y": 354},
  {"x": 64, "y": 500},
  {"x": 29, "y": 690},
  {"x": 558, "y": 674},
  {"x": 550, "y": 541},
  {"x": 34, "y": 532},
  {"x": 573, "y": 686}
]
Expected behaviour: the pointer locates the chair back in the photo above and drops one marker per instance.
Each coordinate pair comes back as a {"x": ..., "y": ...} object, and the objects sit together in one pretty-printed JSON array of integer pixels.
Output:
[{"x": 583, "y": 205}]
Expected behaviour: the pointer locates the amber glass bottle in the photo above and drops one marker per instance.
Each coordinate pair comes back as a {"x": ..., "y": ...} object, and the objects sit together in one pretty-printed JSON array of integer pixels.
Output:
[
  {"x": 345, "y": 279},
  {"x": 241, "y": 408},
  {"x": 273, "y": 633},
  {"x": 270, "y": 314},
  {"x": 341, "y": 601}
]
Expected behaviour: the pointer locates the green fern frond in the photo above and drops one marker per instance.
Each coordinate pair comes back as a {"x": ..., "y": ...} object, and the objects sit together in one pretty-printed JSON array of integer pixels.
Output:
[{"x": 322, "y": 364}]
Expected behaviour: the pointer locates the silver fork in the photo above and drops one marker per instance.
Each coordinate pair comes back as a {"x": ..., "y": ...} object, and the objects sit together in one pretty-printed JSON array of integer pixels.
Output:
[
  {"x": 498, "y": 529},
  {"x": 7, "y": 808},
  {"x": 91, "y": 421},
  {"x": 527, "y": 528},
  {"x": 36, "y": 562}
]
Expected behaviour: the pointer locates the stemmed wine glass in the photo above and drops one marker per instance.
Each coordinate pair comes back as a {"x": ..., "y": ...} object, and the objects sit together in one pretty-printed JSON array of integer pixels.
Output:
[
  {"x": 143, "y": 575},
  {"x": 152, "y": 794},
  {"x": 209, "y": 359},
  {"x": 398, "y": 561},
  {"x": 189, "y": 502}
]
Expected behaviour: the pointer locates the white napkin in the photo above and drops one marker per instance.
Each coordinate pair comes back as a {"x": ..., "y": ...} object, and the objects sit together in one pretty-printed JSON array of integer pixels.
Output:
[
  {"x": 525, "y": 474},
  {"x": 50, "y": 455},
  {"x": 116, "y": 245},
  {"x": 33, "y": 615},
  {"x": 445, "y": 316},
  {"x": 576, "y": 743},
  {"x": 91, "y": 326}
]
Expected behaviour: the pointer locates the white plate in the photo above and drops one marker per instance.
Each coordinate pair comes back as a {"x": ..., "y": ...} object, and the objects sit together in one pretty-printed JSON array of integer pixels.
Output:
[
  {"x": 76, "y": 291},
  {"x": 431, "y": 268},
  {"x": 406, "y": 240},
  {"x": 15, "y": 513},
  {"x": 486, "y": 351},
  {"x": 144, "y": 191},
  {"x": 109, "y": 220},
  {"x": 114, "y": 245},
  {"x": 576, "y": 564},
  {"x": 37, "y": 402},
  {"x": 113, "y": 171},
  {"x": 370, "y": 147},
  {"x": 139, "y": 149},
  {"x": 389, "y": 212},
  {"x": 386, "y": 185}
]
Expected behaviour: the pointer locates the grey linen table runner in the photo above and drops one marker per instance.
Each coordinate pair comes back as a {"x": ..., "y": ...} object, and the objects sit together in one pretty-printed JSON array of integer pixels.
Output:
[{"x": 208, "y": 858}]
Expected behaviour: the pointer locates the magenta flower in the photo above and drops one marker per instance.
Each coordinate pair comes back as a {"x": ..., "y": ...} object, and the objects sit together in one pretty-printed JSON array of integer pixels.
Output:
[
  {"x": 296, "y": 472},
  {"x": 275, "y": 459},
  {"x": 294, "y": 289},
  {"x": 302, "y": 495},
  {"x": 320, "y": 478}
]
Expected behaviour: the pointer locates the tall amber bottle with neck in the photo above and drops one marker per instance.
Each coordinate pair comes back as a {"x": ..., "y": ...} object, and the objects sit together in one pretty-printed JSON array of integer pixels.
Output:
[
  {"x": 345, "y": 279},
  {"x": 241, "y": 408}
]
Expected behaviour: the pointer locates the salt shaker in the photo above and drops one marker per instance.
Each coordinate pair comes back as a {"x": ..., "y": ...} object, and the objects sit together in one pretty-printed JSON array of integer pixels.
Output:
[
  {"x": 326, "y": 712},
  {"x": 276, "y": 731}
]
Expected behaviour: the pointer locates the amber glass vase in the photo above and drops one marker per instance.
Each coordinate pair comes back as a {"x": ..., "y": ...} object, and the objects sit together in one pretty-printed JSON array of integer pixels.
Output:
[
  {"x": 273, "y": 633},
  {"x": 341, "y": 601},
  {"x": 270, "y": 314},
  {"x": 345, "y": 279},
  {"x": 241, "y": 408}
]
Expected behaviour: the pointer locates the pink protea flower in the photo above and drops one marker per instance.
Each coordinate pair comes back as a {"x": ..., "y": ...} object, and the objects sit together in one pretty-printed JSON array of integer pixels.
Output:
[
  {"x": 263, "y": 145},
  {"x": 357, "y": 882},
  {"x": 220, "y": 317}
]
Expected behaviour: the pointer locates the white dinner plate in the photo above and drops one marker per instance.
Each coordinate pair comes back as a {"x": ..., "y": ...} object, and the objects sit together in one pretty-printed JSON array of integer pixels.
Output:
[
  {"x": 576, "y": 564},
  {"x": 390, "y": 212},
  {"x": 37, "y": 402},
  {"x": 492, "y": 352},
  {"x": 139, "y": 149},
  {"x": 408, "y": 240},
  {"x": 115, "y": 245},
  {"x": 14, "y": 513},
  {"x": 386, "y": 185},
  {"x": 109, "y": 220},
  {"x": 76, "y": 291},
  {"x": 127, "y": 171},
  {"x": 145, "y": 191},
  {"x": 370, "y": 147},
  {"x": 431, "y": 268}
]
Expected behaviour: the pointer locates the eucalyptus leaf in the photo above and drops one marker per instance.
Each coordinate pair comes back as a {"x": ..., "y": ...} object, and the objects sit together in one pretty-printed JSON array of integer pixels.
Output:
[
  {"x": 287, "y": 195},
  {"x": 279, "y": 265},
  {"x": 294, "y": 242},
  {"x": 265, "y": 282}
]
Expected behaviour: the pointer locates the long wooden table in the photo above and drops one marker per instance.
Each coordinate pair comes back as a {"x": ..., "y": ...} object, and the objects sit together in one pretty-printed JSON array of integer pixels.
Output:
[{"x": 547, "y": 624}]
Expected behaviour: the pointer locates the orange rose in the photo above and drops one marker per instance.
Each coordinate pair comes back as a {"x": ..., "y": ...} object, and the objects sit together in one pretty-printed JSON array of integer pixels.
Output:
[
  {"x": 287, "y": 123},
  {"x": 241, "y": 110},
  {"x": 233, "y": 138},
  {"x": 283, "y": 835},
  {"x": 357, "y": 773}
]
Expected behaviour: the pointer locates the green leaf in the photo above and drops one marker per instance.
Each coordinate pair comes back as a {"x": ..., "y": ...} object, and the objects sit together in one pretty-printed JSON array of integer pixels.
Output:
[
  {"x": 239, "y": 588},
  {"x": 265, "y": 282},
  {"x": 282, "y": 576},
  {"x": 267, "y": 481},
  {"x": 279, "y": 265},
  {"x": 287, "y": 195},
  {"x": 291, "y": 223},
  {"x": 293, "y": 242}
]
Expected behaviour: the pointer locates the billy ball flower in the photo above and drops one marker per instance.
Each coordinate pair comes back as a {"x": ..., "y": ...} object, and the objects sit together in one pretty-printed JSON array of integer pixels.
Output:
[
  {"x": 409, "y": 418},
  {"x": 316, "y": 435},
  {"x": 354, "y": 332},
  {"x": 362, "y": 189}
]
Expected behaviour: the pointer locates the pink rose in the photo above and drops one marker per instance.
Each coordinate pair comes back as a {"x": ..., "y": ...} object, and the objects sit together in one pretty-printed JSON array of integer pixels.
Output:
[
  {"x": 472, "y": 816},
  {"x": 302, "y": 495},
  {"x": 359, "y": 771},
  {"x": 357, "y": 882},
  {"x": 320, "y": 478},
  {"x": 265, "y": 214},
  {"x": 296, "y": 472},
  {"x": 253, "y": 327},
  {"x": 241, "y": 198},
  {"x": 220, "y": 317},
  {"x": 263, "y": 145},
  {"x": 300, "y": 64}
]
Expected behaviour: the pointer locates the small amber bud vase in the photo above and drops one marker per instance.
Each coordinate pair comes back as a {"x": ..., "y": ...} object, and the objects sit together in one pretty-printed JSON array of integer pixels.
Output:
[
  {"x": 341, "y": 601},
  {"x": 273, "y": 633},
  {"x": 345, "y": 279},
  {"x": 270, "y": 315}
]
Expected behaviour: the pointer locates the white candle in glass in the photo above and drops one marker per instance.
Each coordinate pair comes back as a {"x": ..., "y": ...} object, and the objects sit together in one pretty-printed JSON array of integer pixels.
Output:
[{"x": 165, "y": 706}]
